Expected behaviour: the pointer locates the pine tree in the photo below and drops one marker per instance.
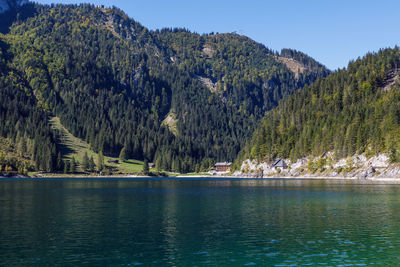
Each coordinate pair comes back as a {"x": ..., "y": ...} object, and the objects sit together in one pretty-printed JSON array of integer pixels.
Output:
[
  {"x": 85, "y": 162},
  {"x": 122, "y": 155},
  {"x": 158, "y": 163},
  {"x": 66, "y": 166},
  {"x": 22, "y": 147},
  {"x": 49, "y": 163},
  {"x": 60, "y": 163},
  {"x": 146, "y": 167},
  {"x": 72, "y": 166},
  {"x": 100, "y": 162},
  {"x": 92, "y": 165}
]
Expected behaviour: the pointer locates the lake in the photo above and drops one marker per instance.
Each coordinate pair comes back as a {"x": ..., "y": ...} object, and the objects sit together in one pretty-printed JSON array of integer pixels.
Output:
[{"x": 193, "y": 222}]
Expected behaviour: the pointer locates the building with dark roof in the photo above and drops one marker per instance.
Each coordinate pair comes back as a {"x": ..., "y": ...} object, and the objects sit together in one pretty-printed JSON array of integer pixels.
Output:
[{"x": 279, "y": 163}]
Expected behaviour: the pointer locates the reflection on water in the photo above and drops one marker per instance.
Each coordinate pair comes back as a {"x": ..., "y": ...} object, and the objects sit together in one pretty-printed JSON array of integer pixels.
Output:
[{"x": 194, "y": 222}]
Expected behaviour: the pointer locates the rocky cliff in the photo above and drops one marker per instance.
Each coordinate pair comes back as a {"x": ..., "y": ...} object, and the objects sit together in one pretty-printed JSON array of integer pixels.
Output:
[{"x": 357, "y": 166}]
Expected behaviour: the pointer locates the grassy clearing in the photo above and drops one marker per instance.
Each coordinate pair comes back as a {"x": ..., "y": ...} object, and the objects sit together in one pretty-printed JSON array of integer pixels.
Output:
[
  {"x": 70, "y": 145},
  {"x": 73, "y": 147},
  {"x": 130, "y": 166},
  {"x": 194, "y": 174},
  {"x": 171, "y": 122}
]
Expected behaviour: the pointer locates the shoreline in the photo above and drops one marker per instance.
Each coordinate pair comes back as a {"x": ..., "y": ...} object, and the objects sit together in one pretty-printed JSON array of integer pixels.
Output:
[{"x": 206, "y": 177}]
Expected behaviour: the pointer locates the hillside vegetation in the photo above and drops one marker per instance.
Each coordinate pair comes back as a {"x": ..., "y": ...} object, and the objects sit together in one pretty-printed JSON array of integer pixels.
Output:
[
  {"x": 113, "y": 83},
  {"x": 73, "y": 148},
  {"x": 352, "y": 111}
]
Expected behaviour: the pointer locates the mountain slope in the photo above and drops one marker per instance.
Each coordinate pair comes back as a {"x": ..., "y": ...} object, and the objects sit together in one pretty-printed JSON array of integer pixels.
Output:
[
  {"x": 352, "y": 111},
  {"x": 22, "y": 120},
  {"x": 113, "y": 83}
]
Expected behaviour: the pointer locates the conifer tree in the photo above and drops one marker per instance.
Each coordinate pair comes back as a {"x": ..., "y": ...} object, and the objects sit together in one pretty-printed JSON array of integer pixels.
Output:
[
  {"x": 100, "y": 161},
  {"x": 66, "y": 166},
  {"x": 85, "y": 162},
  {"x": 60, "y": 163},
  {"x": 122, "y": 155},
  {"x": 146, "y": 167},
  {"x": 22, "y": 147},
  {"x": 92, "y": 165},
  {"x": 72, "y": 167}
]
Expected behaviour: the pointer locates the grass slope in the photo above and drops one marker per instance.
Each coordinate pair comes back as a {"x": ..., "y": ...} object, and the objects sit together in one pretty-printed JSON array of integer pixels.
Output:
[{"x": 73, "y": 147}]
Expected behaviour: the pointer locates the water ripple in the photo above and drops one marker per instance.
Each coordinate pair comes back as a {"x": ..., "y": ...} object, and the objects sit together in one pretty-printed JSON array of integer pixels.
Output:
[{"x": 201, "y": 223}]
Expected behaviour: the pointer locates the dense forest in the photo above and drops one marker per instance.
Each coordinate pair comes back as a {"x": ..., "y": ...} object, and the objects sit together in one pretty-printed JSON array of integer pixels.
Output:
[
  {"x": 352, "y": 111},
  {"x": 24, "y": 122},
  {"x": 176, "y": 98}
]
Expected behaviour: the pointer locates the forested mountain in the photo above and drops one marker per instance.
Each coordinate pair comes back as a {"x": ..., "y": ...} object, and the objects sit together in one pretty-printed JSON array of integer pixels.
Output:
[
  {"x": 23, "y": 121},
  {"x": 177, "y": 98},
  {"x": 352, "y": 111}
]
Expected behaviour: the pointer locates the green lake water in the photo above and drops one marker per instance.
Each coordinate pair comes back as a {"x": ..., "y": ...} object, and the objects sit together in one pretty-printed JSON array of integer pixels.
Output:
[{"x": 120, "y": 222}]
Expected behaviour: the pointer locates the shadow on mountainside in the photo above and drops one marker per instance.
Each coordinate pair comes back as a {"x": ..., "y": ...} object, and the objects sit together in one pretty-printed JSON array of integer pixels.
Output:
[{"x": 9, "y": 17}]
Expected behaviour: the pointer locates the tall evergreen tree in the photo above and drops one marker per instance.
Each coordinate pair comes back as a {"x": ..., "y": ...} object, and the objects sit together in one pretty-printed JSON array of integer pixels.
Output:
[
  {"x": 60, "y": 162},
  {"x": 72, "y": 167},
  {"x": 146, "y": 170},
  {"x": 67, "y": 166},
  {"x": 85, "y": 162},
  {"x": 92, "y": 165},
  {"x": 22, "y": 147},
  {"x": 100, "y": 162},
  {"x": 122, "y": 155}
]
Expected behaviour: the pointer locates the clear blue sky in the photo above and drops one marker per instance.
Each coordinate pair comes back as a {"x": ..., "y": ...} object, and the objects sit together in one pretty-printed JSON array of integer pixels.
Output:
[{"x": 331, "y": 31}]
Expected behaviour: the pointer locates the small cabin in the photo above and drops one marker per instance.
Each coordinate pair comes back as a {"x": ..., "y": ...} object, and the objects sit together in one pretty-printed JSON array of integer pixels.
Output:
[
  {"x": 280, "y": 163},
  {"x": 152, "y": 165},
  {"x": 114, "y": 161},
  {"x": 223, "y": 166}
]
